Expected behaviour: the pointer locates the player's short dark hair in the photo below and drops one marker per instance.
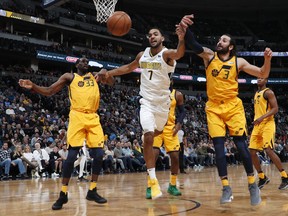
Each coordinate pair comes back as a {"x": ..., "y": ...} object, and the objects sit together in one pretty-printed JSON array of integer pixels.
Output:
[
  {"x": 159, "y": 29},
  {"x": 233, "y": 43}
]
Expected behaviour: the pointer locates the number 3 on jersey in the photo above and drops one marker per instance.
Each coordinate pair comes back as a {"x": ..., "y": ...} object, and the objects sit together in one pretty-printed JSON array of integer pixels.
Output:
[{"x": 151, "y": 73}]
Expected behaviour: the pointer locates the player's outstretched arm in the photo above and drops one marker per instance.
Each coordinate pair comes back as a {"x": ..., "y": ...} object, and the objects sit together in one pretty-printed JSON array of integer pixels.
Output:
[
  {"x": 205, "y": 53},
  {"x": 125, "y": 69},
  {"x": 47, "y": 91},
  {"x": 253, "y": 70},
  {"x": 101, "y": 77},
  {"x": 175, "y": 54}
]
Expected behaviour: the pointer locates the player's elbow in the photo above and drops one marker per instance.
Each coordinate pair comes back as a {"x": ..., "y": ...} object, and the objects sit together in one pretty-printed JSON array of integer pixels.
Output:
[
  {"x": 179, "y": 55},
  {"x": 49, "y": 92},
  {"x": 262, "y": 75}
]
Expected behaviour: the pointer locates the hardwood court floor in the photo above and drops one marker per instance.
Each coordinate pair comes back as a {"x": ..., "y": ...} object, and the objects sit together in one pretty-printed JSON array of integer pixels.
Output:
[{"x": 126, "y": 196}]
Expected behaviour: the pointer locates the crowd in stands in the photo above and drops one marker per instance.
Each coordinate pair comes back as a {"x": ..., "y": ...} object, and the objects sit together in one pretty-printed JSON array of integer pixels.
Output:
[
  {"x": 206, "y": 29},
  {"x": 33, "y": 131},
  {"x": 107, "y": 52},
  {"x": 114, "y": 53}
]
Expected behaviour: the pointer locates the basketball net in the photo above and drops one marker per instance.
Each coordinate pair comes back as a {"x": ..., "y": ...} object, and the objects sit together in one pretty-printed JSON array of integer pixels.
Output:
[{"x": 104, "y": 9}]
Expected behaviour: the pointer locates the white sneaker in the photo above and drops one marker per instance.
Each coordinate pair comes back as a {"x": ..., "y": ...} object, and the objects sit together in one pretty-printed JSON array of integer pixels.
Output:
[
  {"x": 44, "y": 174},
  {"x": 36, "y": 175},
  {"x": 200, "y": 168},
  {"x": 55, "y": 175}
]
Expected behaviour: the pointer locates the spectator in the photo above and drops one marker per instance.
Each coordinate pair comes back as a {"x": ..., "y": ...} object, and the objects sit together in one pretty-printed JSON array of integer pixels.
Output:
[
  {"x": 17, "y": 161},
  {"x": 42, "y": 158},
  {"x": 81, "y": 162},
  {"x": 55, "y": 162},
  {"x": 64, "y": 152},
  {"x": 29, "y": 161},
  {"x": 119, "y": 154},
  {"x": 5, "y": 160}
]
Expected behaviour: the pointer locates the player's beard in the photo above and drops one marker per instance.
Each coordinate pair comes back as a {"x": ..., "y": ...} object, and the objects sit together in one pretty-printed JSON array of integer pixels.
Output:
[
  {"x": 223, "y": 51},
  {"x": 83, "y": 70}
]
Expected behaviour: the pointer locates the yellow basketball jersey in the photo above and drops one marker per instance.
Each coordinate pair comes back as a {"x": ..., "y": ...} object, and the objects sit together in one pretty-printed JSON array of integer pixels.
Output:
[
  {"x": 261, "y": 105},
  {"x": 84, "y": 93},
  {"x": 222, "y": 78},
  {"x": 172, "y": 114}
]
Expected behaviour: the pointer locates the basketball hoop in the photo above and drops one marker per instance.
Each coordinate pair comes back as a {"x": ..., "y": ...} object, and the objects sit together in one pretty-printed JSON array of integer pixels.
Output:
[{"x": 104, "y": 9}]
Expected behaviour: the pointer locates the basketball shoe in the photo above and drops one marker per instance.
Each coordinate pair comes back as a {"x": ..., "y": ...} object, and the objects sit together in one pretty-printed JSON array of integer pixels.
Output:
[
  {"x": 284, "y": 184},
  {"x": 255, "y": 198},
  {"x": 148, "y": 193},
  {"x": 173, "y": 190},
  {"x": 263, "y": 182},
  {"x": 148, "y": 189},
  {"x": 63, "y": 198},
  {"x": 226, "y": 195},
  {"x": 92, "y": 195},
  {"x": 155, "y": 189}
]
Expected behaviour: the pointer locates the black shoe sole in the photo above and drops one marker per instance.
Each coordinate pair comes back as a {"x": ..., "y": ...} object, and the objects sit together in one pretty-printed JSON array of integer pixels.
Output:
[
  {"x": 56, "y": 207},
  {"x": 266, "y": 182},
  {"x": 100, "y": 202}
]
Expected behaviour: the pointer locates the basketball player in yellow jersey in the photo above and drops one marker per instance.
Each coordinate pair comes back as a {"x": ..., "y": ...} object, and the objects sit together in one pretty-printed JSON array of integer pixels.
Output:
[
  {"x": 224, "y": 108},
  {"x": 263, "y": 134},
  {"x": 84, "y": 123},
  {"x": 170, "y": 140}
]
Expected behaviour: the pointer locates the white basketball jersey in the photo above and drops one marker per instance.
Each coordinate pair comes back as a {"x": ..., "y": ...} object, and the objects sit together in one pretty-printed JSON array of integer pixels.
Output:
[{"x": 155, "y": 80}]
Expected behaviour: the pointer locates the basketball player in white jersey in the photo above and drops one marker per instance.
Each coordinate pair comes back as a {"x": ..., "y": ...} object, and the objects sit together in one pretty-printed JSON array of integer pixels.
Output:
[{"x": 156, "y": 64}]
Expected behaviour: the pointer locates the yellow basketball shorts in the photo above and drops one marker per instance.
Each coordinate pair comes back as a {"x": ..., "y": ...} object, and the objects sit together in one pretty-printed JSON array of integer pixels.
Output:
[
  {"x": 222, "y": 114},
  {"x": 171, "y": 143},
  {"x": 263, "y": 136},
  {"x": 84, "y": 126}
]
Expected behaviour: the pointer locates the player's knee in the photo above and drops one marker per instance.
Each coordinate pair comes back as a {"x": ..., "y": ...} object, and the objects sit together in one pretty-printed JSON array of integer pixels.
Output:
[
  {"x": 97, "y": 160},
  {"x": 72, "y": 154},
  {"x": 269, "y": 151},
  {"x": 174, "y": 156},
  {"x": 97, "y": 153},
  {"x": 218, "y": 143},
  {"x": 253, "y": 152},
  {"x": 148, "y": 138},
  {"x": 241, "y": 144}
]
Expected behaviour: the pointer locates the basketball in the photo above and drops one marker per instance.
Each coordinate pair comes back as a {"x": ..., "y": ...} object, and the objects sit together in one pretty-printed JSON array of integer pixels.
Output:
[{"x": 119, "y": 23}]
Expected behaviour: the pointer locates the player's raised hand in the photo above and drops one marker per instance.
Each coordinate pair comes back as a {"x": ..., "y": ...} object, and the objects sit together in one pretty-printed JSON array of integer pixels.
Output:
[
  {"x": 268, "y": 53},
  {"x": 180, "y": 31},
  {"x": 25, "y": 83},
  {"x": 101, "y": 75},
  {"x": 186, "y": 21}
]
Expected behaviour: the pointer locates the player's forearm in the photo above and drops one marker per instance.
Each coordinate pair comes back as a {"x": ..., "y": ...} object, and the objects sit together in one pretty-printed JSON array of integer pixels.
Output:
[
  {"x": 192, "y": 43},
  {"x": 181, "y": 114},
  {"x": 273, "y": 111},
  {"x": 125, "y": 69},
  {"x": 180, "y": 49},
  {"x": 42, "y": 90},
  {"x": 110, "y": 81},
  {"x": 265, "y": 69}
]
